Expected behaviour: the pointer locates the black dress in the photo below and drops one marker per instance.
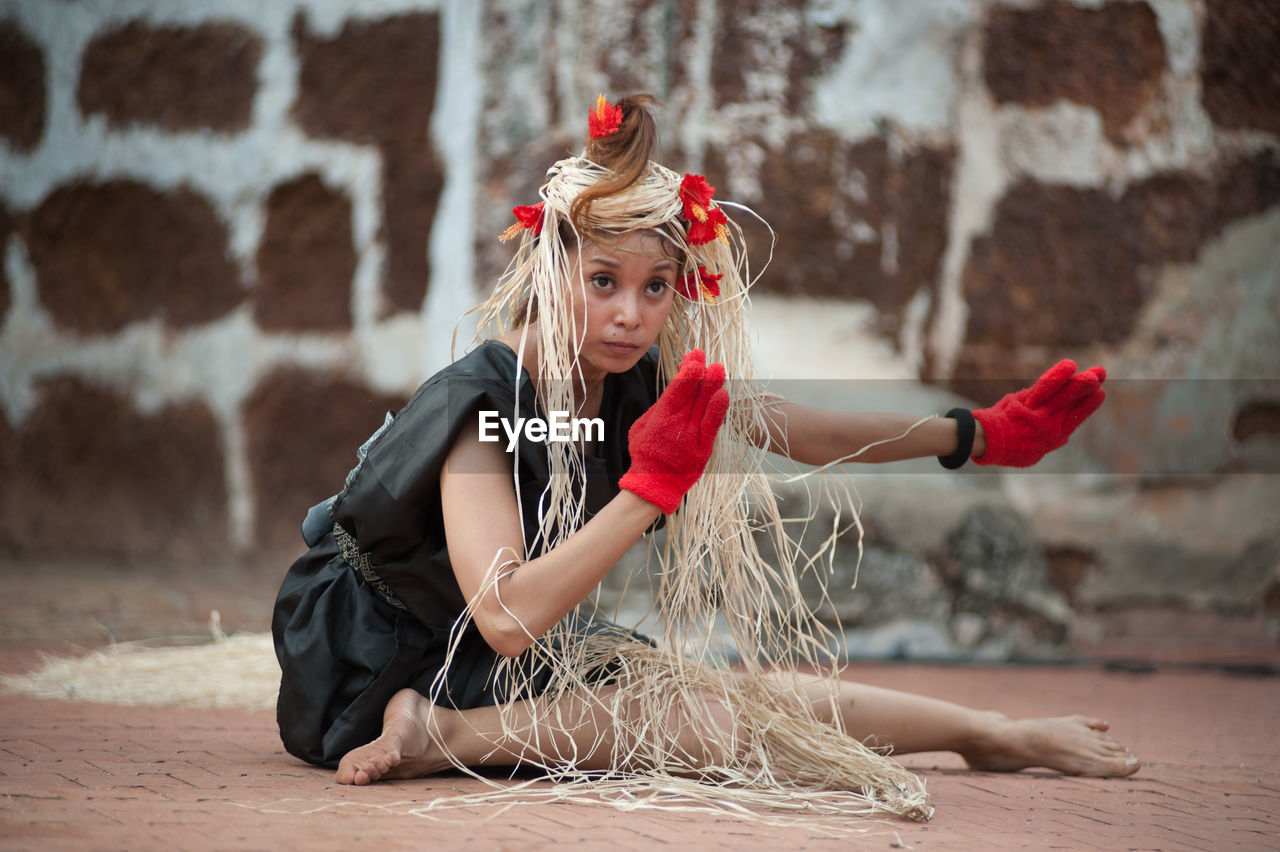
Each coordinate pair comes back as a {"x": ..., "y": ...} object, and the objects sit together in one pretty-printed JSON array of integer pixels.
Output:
[{"x": 347, "y": 646}]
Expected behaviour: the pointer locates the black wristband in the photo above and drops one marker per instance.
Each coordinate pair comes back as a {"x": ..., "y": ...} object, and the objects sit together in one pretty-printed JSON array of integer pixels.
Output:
[{"x": 965, "y": 429}]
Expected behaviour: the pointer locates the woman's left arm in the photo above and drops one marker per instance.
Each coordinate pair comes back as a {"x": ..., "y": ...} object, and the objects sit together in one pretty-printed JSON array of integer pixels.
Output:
[
  {"x": 1016, "y": 432},
  {"x": 819, "y": 436}
]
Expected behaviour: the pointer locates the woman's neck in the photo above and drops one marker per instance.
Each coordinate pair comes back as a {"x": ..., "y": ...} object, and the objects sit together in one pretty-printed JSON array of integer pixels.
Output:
[{"x": 588, "y": 390}]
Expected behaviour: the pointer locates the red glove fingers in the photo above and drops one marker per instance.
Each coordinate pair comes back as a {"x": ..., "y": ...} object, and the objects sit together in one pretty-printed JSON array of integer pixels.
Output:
[
  {"x": 1080, "y": 387},
  {"x": 684, "y": 387},
  {"x": 1047, "y": 386},
  {"x": 714, "y": 407},
  {"x": 712, "y": 397},
  {"x": 672, "y": 441},
  {"x": 1022, "y": 427}
]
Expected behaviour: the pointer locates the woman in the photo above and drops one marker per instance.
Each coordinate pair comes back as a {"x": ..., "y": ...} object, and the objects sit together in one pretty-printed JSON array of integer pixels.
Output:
[{"x": 438, "y": 623}]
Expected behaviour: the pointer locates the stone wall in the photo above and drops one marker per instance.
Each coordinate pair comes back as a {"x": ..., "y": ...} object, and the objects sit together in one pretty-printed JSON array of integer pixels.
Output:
[{"x": 234, "y": 235}]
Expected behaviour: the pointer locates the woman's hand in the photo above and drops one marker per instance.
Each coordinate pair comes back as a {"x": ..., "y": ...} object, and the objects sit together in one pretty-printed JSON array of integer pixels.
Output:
[
  {"x": 672, "y": 441},
  {"x": 1022, "y": 427}
]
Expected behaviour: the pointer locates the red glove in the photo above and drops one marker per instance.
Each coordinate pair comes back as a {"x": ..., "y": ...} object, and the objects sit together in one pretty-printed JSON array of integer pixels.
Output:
[
  {"x": 671, "y": 442},
  {"x": 1025, "y": 425}
]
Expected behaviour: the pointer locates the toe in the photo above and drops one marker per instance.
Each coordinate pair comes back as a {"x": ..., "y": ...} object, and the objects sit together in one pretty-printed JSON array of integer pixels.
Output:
[{"x": 1117, "y": 767}]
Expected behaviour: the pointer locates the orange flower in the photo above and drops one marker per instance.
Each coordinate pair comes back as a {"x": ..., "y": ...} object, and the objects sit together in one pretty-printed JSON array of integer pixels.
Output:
[
  {"x": 526, "y": 217},
  {"x": 700, "y": 285},
  {"x": 706, "y": 223},
  {"x": 604, "y": 120}
]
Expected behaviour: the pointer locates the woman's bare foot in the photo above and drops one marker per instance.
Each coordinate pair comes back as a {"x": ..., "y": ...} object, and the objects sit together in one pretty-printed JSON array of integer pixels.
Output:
[
  {"x": 1074, "y": 745},
  {"x": 406, "y": 748}
]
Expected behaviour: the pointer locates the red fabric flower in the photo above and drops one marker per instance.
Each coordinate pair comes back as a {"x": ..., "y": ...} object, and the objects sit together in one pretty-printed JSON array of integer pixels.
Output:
[
  {"x": 700, "y": 285},
  {"x": 531, "y": 216},
  {"x": 604, "y": 120},
  {"x": 706, "y": 223},
  {"x": 714, "y": 227},
  {"x": 696, "y": 194}
]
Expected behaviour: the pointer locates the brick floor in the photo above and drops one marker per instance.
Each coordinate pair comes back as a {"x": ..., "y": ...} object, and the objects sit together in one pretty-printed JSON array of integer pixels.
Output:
[{"x": 87, "y": 776}]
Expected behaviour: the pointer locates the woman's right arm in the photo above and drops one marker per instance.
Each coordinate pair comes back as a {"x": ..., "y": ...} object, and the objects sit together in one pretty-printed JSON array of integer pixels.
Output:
[
  {"x": 482, "y": 527},
  {"x": 669, "y": 445}
]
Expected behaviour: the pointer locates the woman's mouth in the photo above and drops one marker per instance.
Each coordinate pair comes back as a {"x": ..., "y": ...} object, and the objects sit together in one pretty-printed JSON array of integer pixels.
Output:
[{"x": 621, "y": 348}]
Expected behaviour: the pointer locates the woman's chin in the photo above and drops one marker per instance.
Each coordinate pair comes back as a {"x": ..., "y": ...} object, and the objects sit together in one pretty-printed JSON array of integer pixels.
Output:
[{"x": 618, "y": 359}]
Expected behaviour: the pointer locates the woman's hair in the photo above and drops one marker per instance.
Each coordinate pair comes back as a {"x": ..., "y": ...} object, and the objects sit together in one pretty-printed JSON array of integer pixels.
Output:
[
  {"x": 716, "y": 594},
  {"x": 623, "y": 158},
  {"x": 625, "y": 154}
]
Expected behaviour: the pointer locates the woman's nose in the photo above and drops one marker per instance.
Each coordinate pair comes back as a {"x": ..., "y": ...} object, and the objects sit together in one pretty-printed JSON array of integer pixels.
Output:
[{"x": 627, "y": 310}]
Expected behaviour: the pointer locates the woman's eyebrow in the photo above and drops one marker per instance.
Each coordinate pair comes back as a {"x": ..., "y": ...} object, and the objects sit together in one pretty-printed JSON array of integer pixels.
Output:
[{"x": 614, "y": 263}]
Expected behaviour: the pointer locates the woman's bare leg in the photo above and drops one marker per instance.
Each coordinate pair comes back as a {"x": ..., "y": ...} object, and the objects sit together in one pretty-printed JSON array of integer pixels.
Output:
[
  {"x": 414, "y": 731},
  {"x": 1075, "y": 745}
]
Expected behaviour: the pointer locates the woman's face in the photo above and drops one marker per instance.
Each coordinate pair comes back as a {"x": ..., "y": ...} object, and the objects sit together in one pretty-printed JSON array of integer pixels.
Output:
[{"x": 625, "y": 295}]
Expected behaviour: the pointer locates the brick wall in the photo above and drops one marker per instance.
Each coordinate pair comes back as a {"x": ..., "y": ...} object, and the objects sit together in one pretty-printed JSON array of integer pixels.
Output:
[
  {"x": 216, "y": 228},
  {"x": 234, "y": 235}
]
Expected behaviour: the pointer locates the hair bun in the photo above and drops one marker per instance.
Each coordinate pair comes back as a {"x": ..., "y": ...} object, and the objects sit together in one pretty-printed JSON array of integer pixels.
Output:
[{"x": 626, "y": 152}]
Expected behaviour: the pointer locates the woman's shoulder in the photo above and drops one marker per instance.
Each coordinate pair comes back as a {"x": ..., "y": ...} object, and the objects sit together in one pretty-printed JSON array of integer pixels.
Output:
[
  {"x": 491, "y": 359},
  {"x": 491, "y": 365}
]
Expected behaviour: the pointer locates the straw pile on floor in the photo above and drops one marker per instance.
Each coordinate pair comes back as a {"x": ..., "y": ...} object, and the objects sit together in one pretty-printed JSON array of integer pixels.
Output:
[{"x": 232, "y": 672}]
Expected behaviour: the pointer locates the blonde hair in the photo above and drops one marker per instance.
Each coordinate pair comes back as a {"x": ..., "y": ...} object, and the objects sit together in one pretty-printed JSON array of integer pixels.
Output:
[{"x": 717, "y": 595}]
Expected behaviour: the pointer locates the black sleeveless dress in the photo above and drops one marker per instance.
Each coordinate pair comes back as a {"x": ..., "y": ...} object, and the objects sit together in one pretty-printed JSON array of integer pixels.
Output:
[{"x": 347, "y": 641}]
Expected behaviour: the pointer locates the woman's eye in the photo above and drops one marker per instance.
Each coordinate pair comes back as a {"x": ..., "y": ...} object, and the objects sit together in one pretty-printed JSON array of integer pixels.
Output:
[
  {"x": 657, "y": 286},
  {"x": 601, "y": 282}
]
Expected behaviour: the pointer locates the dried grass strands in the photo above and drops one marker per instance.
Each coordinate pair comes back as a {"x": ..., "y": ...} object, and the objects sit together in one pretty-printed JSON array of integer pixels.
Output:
[
  {"x": 717, "y": 596},
  {"x": 602, "y": 791},
  {"x": 778, "y": 759}
]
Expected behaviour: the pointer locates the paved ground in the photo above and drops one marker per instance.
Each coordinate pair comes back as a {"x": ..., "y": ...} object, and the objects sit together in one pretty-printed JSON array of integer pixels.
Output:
[{"x": 87, "y": 776}]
